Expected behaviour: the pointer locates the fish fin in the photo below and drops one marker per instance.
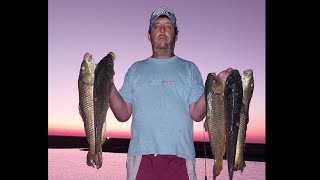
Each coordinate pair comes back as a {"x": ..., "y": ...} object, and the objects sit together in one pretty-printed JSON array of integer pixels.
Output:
[
  {"x": 103, "y": 134},
  {"x": 205, "y": 125},
  {"x": 244, "y": 165},
  {"x": 213, "y": 154},
  {"x": 80, "y": 112},
  {"x": 247, "y": 112},
  {"x": 98, "y": 160},
  {"x": 224, "y": 149}
]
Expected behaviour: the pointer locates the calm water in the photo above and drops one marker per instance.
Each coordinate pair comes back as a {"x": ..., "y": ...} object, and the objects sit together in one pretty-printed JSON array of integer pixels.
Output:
[{"x": 71, "y": 164}]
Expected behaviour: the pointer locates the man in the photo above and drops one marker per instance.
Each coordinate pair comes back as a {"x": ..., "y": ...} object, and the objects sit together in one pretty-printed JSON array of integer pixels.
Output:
[{"x": 164, "y": 93}]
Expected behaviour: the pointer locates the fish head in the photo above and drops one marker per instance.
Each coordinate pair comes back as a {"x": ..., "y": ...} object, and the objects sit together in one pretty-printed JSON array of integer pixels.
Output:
[
  {"x": 209, "y": 81},
  {"x": 209, "y": 85},
  {"x": 247, "y": 79},
  {"x": 247, "y": 85},
  {"x": 233, "y": 78},
  {"x": 110, "y": 64},
  {"x": 234, "y": 74},
  {"x": 218, "y": 85},
  {"x": 87, "y": 69}
]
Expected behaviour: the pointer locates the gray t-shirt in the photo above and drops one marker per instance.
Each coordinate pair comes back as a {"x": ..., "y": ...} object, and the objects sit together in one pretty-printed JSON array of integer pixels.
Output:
[{"x": 160, "y": 91}]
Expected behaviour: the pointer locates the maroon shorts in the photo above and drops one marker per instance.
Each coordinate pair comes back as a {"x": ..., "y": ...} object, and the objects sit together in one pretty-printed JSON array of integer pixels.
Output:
[{"x": 166, "y": 167}]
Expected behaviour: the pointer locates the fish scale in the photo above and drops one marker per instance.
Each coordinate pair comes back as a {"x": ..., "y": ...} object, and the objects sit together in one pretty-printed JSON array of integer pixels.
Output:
[
  {"x": 215, "y": 120},
  {"x": 233, "y": 94},
  {"x": 248, "y": 86},
  {"x": 85, "y": 88},
  {"x": 104, "y": 73}
]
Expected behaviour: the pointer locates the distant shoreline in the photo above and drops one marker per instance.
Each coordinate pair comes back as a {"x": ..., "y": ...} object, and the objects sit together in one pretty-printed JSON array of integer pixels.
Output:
[{"x": 253, "y": 152}]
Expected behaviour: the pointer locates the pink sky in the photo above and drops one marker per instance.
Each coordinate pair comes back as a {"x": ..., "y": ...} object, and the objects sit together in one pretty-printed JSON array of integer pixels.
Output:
[{"x": 213, "y": 34}]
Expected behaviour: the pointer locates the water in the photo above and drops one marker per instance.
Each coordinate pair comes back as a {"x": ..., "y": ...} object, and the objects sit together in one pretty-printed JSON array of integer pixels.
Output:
[{"x": 71, "y": 164}]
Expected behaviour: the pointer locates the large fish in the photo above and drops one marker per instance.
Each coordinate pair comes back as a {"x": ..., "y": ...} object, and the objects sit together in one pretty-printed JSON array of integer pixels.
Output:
[
  {"x": 232, "y": 103},
  {"x": 248, "y": 86},
  {"x": 85, "y": 88},
  {"x": 215, "y": 121},
  {"x": 103, "y": 80}
]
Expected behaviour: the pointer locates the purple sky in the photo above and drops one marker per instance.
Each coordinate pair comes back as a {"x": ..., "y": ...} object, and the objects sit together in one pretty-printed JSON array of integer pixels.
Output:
[{"x": 214, "y": 34}]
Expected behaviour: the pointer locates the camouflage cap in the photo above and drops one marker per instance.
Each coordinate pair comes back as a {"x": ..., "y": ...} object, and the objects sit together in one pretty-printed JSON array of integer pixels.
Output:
[{"x": 163, "y": 11}]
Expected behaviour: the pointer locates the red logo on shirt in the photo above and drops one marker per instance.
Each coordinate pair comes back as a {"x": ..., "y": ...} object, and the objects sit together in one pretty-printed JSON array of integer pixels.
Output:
[{"x": 169, "y": 82}]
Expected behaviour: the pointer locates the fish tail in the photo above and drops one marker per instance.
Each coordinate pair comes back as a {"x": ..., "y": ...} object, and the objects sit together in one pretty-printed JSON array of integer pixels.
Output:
[
  {"x": 98, "y": 148},
  {"x": 217, "y": 167},
  {"x": 90, "y": 159},
  {"x": 98, "y": 160}
]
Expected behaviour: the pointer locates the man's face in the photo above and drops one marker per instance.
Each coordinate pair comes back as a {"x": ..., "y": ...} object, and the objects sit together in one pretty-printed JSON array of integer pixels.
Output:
[{"x": 162, "y": 34}]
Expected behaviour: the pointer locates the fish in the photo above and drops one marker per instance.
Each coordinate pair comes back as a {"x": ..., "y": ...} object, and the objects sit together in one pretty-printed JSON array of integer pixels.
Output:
[
  {"x": 248, "y": 87},
  {"x": 103, "y": 81},
  {"x": 215, "y": 119},
  {"x": 233, "y": 94},
  {"x": 85, "y": 89}
]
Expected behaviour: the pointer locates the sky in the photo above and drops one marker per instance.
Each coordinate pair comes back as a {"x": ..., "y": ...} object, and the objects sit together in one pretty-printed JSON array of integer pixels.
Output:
[{"x": 214, "y": 34}]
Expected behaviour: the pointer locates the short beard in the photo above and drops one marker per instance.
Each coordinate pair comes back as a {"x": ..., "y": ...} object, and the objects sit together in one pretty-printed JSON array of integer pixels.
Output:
[{"x": 163, "y": 50}]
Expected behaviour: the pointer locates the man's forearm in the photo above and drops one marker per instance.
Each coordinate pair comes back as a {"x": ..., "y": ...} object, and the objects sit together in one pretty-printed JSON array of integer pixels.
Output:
[
  {"x": 120, "y": 109},
  {"x": 198, "y": 109}
]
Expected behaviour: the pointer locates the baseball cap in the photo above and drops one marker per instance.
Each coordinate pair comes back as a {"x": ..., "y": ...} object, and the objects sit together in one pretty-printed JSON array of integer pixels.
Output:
[{"x": 163, "y": 11}]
